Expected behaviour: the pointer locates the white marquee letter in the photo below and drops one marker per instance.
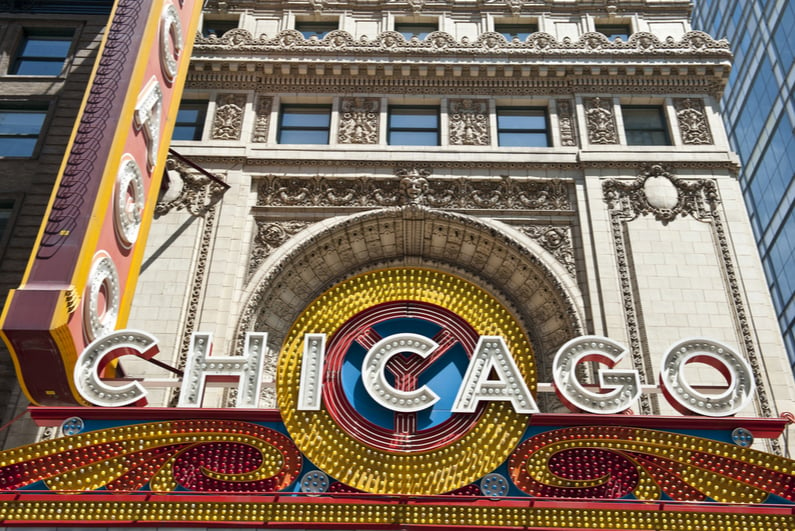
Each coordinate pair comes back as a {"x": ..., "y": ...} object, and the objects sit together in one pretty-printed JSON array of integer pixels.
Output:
[
  {"x": 101, "y": 352},
  {"x": 148, "y": 113},
  {"x": 492, "y": 354},
  {"x": 171, "y": 42},
  {"x": 200, "y": 366},
  {"x": 624, "y": 385},
  {"x": 731, "y": 365},
  {"x": 375, "y": 380},
  {"x": 311, "y": 370}
]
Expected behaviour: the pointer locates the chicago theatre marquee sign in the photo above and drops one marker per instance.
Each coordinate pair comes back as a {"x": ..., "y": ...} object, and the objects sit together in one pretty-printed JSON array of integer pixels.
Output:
[
  {"x": 407, "y": 396},
  {"x": 406, "y": 399}
]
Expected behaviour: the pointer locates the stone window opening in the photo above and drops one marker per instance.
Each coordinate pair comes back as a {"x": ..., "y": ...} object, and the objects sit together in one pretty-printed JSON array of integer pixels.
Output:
[
  {"x": 645, "y": 125},
  {"x": 42, "y": 52},
  {"x": 413, "y": 125},
  {"x": 304, "y": 124}
]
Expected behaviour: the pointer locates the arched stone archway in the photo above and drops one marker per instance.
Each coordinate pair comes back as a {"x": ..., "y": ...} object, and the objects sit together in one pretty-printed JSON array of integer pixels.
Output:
[{"x": 500, "y": 259}]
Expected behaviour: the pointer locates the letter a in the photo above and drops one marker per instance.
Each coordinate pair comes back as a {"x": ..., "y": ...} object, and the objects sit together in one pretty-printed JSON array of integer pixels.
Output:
[{"x": 492, "y": 356}]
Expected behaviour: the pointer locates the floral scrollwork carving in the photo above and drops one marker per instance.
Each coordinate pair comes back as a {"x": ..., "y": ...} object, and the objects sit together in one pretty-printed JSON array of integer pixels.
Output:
[
  {"x": 187, "y": 189},
  {"x": 270, "y": 236},
  {"x": 692, "y": 121},
  {"x": 228, "y": 121},
  {"x": 469, "y": 122},
  {"x": 359, "y": 120},
  {"x": 262, "y": 119},
  {"x": 601, "y": 121},
  {"x": 659, "y": 193},
  {"x": 555, "y": 239}
]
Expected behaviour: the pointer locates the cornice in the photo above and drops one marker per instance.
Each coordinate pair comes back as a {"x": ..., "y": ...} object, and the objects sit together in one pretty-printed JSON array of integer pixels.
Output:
[
  {"x": 339, "y": 44},
  {"x": 499, "y": 7},
  {"x": 697, "y": 63}
]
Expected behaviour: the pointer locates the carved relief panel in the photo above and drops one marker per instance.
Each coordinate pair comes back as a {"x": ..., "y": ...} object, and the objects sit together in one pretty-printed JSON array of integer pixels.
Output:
[
  {"x": 262, "y": 119},
  {"x": 359, "y": 120},
  {"x": 228, "y": 120},
  {"x": 566, "y": 123},
  {"x": 469, "y": 122},
  {"x": 600, "y": 121},
  {"x": 692, "y": 120}
]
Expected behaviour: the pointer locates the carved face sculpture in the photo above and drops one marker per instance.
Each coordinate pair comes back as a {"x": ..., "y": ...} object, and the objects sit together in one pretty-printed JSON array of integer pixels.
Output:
[{"x": 414, "y": 187}]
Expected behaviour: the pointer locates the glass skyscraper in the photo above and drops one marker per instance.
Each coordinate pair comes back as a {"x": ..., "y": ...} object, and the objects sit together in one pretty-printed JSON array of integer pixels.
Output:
[{"x": 759, "y": 111}]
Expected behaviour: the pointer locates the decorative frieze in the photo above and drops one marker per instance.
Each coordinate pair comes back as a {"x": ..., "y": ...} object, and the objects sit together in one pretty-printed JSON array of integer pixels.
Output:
[
  {"x": 415, "y": 186},
  {"x": 469, "y": 122},
  {"x": 359, "y": 120},
  {"x": 262, "y": 119},
  {"x": 692, "y": 120},
  {"x": 600, "y": 120},
  {"x": 228, "y": 120},
  {"x": 566, "y": 123}
]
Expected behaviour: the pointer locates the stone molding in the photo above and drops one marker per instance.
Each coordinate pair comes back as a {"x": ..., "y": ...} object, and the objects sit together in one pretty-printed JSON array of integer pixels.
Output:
[
  {"x": 657, "y": 192},
  {"x": 269, "y": 236},
  {"x": 555, "y": 239},
  {"x": 610, "y": 8},
  {"x": 198, "y": 290},
  {"x": 415, "y": 186},
  {"x": 367, "y": 161}
]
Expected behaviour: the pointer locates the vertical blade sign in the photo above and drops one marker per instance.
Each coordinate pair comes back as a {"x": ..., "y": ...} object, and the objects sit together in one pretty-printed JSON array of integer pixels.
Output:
[{"x": 81, "y": 277}]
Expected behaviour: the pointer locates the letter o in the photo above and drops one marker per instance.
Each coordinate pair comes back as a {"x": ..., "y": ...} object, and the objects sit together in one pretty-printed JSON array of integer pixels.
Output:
[
  {"x": 172, "y": 42},
  {"x": 731, "y": 365}
]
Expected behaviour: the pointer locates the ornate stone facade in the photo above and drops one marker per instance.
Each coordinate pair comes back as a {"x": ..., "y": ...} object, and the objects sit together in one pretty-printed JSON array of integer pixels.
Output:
[
  {"x": 657, "y": 192},
  {"x": 556, "y": 240},
  {"x": 269, "y": 236}
]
